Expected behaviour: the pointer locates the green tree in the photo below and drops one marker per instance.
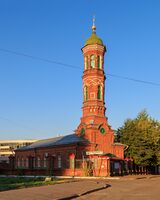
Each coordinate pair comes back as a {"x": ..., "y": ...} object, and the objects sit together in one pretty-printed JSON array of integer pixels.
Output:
[{"x": 142, "y": 136}]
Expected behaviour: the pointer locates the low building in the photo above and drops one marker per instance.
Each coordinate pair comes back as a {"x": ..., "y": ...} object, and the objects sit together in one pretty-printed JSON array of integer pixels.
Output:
[{"x": 7, "y": 148}]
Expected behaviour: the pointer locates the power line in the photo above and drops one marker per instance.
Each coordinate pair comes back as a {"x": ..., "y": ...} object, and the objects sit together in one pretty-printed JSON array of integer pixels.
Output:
[
  {"x": 135, "y": 80},
  {"x": 68, "y": 66},
  {"x": 39, "y": 58},
  {"x": 76, "y": 67}
]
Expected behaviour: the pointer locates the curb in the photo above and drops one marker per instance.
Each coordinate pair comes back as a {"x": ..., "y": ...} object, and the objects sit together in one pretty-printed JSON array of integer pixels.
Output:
[
  {"x": 140, "y": 177},
  {"x": 84, "y": 193}
]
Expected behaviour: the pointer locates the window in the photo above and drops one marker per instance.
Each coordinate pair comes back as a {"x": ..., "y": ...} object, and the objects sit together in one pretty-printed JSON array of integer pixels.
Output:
[
  {"x": 22, "y": 162},
  {"x": 99, "y": 92},
  {"x": 99, "y": 95},
  {"x": 18, "y": 162},
  {"x": 71, "y": 163},
  {"x": 99, "y": 62},
  {"x": 27, "y": 162},
  {"x": 59, "y": 161},
  {"x": 85, "y": 93},
  {"x": 92, "y": 61},
  {"x": 45, "y": 162},
  {"x": 86, "y": 62},
  {"x": 38, "y": 162},
  {"x": 34, "y": 162}
]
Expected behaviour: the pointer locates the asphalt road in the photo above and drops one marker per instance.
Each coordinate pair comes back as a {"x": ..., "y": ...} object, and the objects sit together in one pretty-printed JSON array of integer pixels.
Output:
[
  {"x": 125, "y": 188},
  {"x": 138, "y": 189}
]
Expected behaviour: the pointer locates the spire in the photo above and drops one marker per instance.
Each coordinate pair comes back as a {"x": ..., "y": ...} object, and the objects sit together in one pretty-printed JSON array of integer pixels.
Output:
[
  {"x": 94, "y": 39},
  {"x": 94, "y": 26}
]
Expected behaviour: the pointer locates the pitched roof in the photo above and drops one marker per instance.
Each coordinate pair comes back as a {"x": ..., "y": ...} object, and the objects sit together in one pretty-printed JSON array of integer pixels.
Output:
[{"x": 57, "y": 141}]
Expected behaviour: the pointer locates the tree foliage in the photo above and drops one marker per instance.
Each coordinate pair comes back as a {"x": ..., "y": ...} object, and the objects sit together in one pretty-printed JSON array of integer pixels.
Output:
[{"x": 142, "y": 136}]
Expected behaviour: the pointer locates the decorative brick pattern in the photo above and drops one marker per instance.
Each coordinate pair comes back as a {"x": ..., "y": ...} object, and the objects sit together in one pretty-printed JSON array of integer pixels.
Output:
[{"x": 73, "y": 159}]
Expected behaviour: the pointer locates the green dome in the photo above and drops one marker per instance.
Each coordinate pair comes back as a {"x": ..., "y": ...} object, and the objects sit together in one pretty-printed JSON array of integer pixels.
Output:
[{"x": 94, "y": 40}]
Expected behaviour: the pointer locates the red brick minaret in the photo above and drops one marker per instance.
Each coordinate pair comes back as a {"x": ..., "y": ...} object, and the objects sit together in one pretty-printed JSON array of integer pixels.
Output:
[{"x": 94, "y": 125}]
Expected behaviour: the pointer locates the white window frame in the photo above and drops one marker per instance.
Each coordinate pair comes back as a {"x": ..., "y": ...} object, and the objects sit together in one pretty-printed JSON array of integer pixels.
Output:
[{"x": 59, "y": 159}]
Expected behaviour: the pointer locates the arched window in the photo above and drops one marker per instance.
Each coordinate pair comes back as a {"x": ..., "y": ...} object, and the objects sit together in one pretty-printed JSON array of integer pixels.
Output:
[
  {"x": 27, "y": 162},
  {"x": 99, "y": 95},
  {"x": 38, "y": 162},
  {"x": 86, "y": 62},
  {"x": 18, "y": 162},
  {"x": 85, "y": 93},
  {"x": 99, "y": 62},
  {"x": 59, "y": 161},
  {"x": 92, "y": 61},
  {"x": 71, "y": 161},
  {"x": 22, "y": 162},
  {"x": 45, "y": 162},
  {"x": 34, "y": 162}
]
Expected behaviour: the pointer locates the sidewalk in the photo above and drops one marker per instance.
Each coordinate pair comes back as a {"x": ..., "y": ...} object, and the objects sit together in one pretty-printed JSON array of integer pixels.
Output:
[
  {"x": 133, "y": 177},
  {"x": 55, "y": 192}
]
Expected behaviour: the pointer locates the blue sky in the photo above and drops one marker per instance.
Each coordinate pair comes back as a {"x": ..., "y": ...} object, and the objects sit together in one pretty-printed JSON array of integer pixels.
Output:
[{"x": 40, "y": 99}]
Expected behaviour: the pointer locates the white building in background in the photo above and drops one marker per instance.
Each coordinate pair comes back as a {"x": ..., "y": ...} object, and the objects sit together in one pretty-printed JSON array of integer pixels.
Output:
[{"x": 7, "y": 148}]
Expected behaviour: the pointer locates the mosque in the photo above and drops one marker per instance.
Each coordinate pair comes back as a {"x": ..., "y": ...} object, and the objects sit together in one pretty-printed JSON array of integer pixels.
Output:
[{"x": 90, "y": 150}]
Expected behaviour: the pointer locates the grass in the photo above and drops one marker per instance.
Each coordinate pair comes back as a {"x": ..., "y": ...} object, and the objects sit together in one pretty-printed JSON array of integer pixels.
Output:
[{"x": 9, "y": 183}]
